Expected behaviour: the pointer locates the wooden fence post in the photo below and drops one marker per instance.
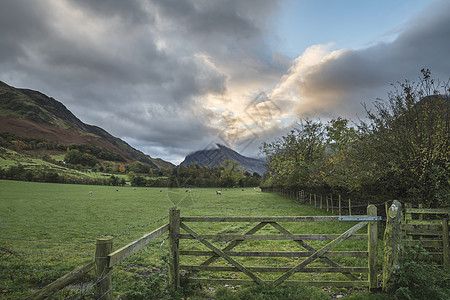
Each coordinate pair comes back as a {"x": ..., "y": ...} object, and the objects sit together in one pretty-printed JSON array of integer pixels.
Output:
[
  {"x": 420, "y": 215},
  {"x": 174, "y": 233},
  {"x": 310, "y": 199},
  {"x": 320, "y": 201},
  {"x": 327, "y": 205},
  {"x": 315, "y": 201},
  {"x": 392, "y": 243},
  {"x": 104, "y": 246},
  {"x": 372, "y": 230},
  {"x": 349, "y": 207},
  {"x": 445, "y": 245},
  {"x": 332, "y": 204},
  {"x": 340, "y": 211}
]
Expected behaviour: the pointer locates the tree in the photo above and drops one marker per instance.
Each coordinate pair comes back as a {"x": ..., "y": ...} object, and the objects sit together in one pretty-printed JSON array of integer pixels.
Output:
[
  {"x": 295, "y": 156},
  {"x": 406, "y": 142},
  {"x": 339, "y": 135},
  {"x": 231, "y": 174},
  {"x": 75, "y": 157},
  {"x": 131, "y": 176}
]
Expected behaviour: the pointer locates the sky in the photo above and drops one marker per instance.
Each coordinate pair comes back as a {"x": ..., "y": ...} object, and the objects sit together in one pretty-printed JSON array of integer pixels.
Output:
[{"x": 174, "y": 76}]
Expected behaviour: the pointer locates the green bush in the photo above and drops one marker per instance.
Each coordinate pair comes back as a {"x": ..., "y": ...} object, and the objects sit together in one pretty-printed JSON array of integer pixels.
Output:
[{"x": 419, "y": 278}]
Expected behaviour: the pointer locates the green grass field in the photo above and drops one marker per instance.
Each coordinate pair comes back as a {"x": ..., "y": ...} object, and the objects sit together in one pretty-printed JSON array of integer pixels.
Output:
[{"x": 46, "y": 227}]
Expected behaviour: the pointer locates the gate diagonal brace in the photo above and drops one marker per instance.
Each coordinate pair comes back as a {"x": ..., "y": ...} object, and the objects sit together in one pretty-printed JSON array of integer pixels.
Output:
[
  {"x": 312, "y": 250},
  {"x": 234, "y": 243},
  {"x": 223, "y": 254},
  {"x": 318, "y": 253}
]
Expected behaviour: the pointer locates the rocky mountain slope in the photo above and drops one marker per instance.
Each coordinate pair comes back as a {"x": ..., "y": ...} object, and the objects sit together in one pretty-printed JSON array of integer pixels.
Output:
[{"x": 28, "y": 113}]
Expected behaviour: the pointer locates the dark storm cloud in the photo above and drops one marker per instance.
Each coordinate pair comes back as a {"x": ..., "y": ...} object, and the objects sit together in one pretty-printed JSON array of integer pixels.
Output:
[
  {"x": 340, "y": 83},
  {"x": 128, "y": 11},
  {"x": 139, "y": 69}
]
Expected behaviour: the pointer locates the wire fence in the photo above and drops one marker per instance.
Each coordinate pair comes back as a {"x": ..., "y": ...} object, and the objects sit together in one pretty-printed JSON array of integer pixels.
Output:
[{"x": 334, "y": 203}]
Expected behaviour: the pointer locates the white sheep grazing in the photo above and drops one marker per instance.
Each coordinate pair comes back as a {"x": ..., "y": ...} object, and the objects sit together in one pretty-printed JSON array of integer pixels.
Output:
[
  {"x": 218, "y": 192},
  {"x": 90, "y": 193}
]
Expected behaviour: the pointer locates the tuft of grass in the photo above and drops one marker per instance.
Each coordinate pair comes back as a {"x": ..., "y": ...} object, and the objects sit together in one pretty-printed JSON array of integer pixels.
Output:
[{"x": 266, "y": 293}]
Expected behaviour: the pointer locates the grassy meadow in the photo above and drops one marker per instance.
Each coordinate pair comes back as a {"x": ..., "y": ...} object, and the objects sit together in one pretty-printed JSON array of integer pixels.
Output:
[{"x": 49, "y": 229}]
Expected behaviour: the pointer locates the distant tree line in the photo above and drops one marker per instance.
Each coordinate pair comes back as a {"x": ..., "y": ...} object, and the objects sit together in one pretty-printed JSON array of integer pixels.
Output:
[
  {"x": 400, "y": 151},
  {"x": 228, "y": 174}
]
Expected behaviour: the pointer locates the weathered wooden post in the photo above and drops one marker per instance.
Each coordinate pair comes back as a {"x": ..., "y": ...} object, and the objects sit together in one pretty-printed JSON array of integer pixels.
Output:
[
  {"x": 392, "y": 243},
  {"x": 320, "y": 201},
  {"x": 327, "y": 205},
  {"x": 349, "y": 207},
  {"x": 340, "y": 211},
  {"x": 407, "y": 218},
  {"x": 104, "y": 246},
  {"x": 174, "y": 233},
  {"x": 315, "y": 201},
  {"x": 445, "y": 245},
  {"x": 332, "y": 204},
  {"x": 310, "y": 199},
  {"x": 372, "y": 231}
]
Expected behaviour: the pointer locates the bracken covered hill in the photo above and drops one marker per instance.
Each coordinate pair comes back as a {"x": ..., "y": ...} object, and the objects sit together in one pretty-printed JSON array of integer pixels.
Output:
[{"x": 31, "y": 114}]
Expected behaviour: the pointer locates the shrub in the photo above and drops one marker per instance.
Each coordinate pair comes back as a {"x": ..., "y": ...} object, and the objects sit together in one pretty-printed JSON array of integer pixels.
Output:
[{"x": 419, "y": 278}]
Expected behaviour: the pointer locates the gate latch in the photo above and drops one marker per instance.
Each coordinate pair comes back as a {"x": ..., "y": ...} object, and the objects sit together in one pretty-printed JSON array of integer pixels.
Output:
[{"x": 361, "y": 218}]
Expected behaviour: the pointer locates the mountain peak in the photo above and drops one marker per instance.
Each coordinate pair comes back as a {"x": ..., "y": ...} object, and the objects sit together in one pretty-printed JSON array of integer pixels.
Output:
[{"x": 218, "y": 153}]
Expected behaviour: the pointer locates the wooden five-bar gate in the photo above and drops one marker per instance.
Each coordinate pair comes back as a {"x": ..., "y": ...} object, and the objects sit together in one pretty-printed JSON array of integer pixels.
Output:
[
  {"x": 180, "y": 229},
  {"x": 106, "y": 258}
]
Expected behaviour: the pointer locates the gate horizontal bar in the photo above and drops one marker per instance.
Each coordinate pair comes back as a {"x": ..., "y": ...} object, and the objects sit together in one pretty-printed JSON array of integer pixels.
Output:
[
  {"x": 274, "y": 237},
  {"x": 275, "y": 254},
  {"x": 276, "y": 269},
  {"x": 428, "y": 211},
  {"x": 359, "y": 218},
  {"x": 286, "y": 282},
  {"x": 262, "y": 219}
]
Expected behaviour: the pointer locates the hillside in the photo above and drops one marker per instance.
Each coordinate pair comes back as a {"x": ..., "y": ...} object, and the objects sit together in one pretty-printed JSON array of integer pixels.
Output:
[
  {"x": 215, "y": 157},
  {"x": 31, "y": 114}
]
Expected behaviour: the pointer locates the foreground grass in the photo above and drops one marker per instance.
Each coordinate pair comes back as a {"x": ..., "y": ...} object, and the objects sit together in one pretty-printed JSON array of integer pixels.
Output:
[{"x": 49, "y": 229}]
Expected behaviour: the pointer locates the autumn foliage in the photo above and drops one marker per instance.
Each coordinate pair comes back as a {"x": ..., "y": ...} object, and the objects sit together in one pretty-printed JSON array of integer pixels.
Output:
[{"x": 400, "y": 151}]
